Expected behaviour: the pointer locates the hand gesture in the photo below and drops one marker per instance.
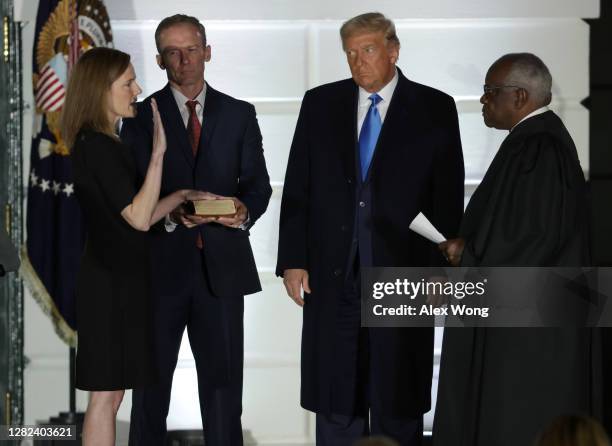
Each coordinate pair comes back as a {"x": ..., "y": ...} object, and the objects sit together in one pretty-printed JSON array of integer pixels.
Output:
[
  {"x": 234, "y": 221},
  {"x": 180, "y": 216},
  {"x": 159, "y": 134},
  {"x": 295, "y": 280},
  {"x": 195, "y": 195},
  {"x": 452, "y": 250}
]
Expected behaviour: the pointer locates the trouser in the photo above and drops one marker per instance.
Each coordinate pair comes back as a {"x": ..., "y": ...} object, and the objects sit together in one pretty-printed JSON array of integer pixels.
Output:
[
  {"x": 344, "y": 430},
  {"x": 354, "y": 360},
  {"x": 215, "y": 329}
]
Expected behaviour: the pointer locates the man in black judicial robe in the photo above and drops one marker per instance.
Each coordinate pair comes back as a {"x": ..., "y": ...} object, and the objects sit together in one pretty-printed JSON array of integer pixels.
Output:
[{"x": 500, "y": 386}]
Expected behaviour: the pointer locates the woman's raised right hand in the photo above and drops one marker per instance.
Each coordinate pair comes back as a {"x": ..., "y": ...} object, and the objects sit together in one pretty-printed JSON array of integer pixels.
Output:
[{"x": 159, "y": 134}]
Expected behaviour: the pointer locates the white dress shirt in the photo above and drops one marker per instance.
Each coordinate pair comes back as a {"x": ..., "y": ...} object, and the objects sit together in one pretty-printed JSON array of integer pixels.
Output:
[
  {"x": 181, "y": 102},
  {"x": 364, "y": 102},
  {"x": 539, "y": 111}
]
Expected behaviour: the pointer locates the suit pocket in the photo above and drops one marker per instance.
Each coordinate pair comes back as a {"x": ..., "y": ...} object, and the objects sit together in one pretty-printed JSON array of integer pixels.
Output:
[{"x": 230, "y": 262}]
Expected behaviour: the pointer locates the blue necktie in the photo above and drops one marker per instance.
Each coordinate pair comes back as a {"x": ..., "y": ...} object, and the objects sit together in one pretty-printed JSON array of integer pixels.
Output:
[{"x": 369, "y": 135}]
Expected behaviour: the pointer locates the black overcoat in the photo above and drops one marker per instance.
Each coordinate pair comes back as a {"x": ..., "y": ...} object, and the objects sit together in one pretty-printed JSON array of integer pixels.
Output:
[{"x": 417, "y": 167}]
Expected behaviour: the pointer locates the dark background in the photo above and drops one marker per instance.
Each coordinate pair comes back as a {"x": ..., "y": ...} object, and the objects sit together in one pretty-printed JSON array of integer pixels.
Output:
[{"x": 600, "y": 105}]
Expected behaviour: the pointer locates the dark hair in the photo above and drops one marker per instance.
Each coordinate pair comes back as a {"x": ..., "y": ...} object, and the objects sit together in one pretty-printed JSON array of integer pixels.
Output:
[
  {"x": 178, "y": 19},
  {"x": 86, "y": 104}
]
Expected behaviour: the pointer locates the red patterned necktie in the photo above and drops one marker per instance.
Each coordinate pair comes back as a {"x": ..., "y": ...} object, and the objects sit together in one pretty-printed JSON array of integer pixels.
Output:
[{"x": 194, "y": 128}]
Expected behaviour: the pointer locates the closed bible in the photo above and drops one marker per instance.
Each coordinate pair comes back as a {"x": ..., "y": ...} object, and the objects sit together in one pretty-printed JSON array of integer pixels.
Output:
[{"x": 210, "y": 208}]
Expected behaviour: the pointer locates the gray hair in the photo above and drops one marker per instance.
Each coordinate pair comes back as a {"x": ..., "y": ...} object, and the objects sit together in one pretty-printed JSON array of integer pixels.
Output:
[
  {"x": 372, "y": 22},
  {"x": 528, "y": 71},
  {"x": 178, "y": 19}
]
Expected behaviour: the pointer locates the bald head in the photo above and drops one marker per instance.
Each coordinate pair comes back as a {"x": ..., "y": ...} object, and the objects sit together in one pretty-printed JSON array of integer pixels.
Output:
[{"x": 528, "y": 71}]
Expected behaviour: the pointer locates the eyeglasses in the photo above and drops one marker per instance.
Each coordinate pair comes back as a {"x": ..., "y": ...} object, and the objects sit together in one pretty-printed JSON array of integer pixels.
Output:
[{"x": 489, "y": 90}]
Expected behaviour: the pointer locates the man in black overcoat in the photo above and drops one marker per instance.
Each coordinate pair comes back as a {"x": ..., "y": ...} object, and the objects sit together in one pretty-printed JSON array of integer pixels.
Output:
[{"x": 368, "y": 155}]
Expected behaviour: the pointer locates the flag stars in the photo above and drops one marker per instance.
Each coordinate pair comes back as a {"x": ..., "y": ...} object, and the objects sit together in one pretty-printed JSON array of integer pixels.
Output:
[
  {"x": 33, "y": 179},
  {"x": 68, "y": 189},
  {"x": 44, "y": 185}
]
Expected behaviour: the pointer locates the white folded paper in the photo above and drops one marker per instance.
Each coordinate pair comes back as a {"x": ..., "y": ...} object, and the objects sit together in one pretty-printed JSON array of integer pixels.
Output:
[{"x": 422, "y": 226}]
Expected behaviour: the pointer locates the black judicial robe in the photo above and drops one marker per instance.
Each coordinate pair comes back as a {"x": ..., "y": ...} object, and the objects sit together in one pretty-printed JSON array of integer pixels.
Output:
[{"x": 500, "y": 386}]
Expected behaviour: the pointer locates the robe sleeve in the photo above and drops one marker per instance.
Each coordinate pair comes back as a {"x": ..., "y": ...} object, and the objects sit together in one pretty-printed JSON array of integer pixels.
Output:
[{"x": 530, "y": 207}]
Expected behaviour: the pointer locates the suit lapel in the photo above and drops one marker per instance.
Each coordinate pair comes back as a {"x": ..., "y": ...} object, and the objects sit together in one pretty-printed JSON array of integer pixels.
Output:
[
  {"x": 173, "y": 123},
  {"x": 213, "y": 105},
  {"x": 396, "y": 125},
  {"x": 212, "y": 110},
  {"x": 347, "y": 129}
]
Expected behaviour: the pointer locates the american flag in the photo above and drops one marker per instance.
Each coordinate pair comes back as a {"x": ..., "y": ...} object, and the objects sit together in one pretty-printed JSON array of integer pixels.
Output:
[
  {"x": 50, "y": 89},
  {"x": 55, "y": 231}
]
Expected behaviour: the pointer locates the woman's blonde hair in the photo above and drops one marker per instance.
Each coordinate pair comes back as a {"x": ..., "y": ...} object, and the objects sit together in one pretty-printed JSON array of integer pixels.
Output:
[
  {"x": 87, "y": 99},
  {"x": 573, "y": 430}
]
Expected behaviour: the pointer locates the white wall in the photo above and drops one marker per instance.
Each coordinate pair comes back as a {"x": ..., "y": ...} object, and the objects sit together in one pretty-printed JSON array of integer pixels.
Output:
[
  {"x": 269, "y": 52},
  {"x": 343, "y": 9}
]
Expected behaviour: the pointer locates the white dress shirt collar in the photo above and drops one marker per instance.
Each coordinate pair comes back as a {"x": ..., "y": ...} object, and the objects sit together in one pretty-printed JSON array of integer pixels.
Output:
[
  {"x": 539, "y": 111},
  {"x": 385, "y": 93},
  {"x": 180, "y": 98},
  {"x": 181, "y": 101}
]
